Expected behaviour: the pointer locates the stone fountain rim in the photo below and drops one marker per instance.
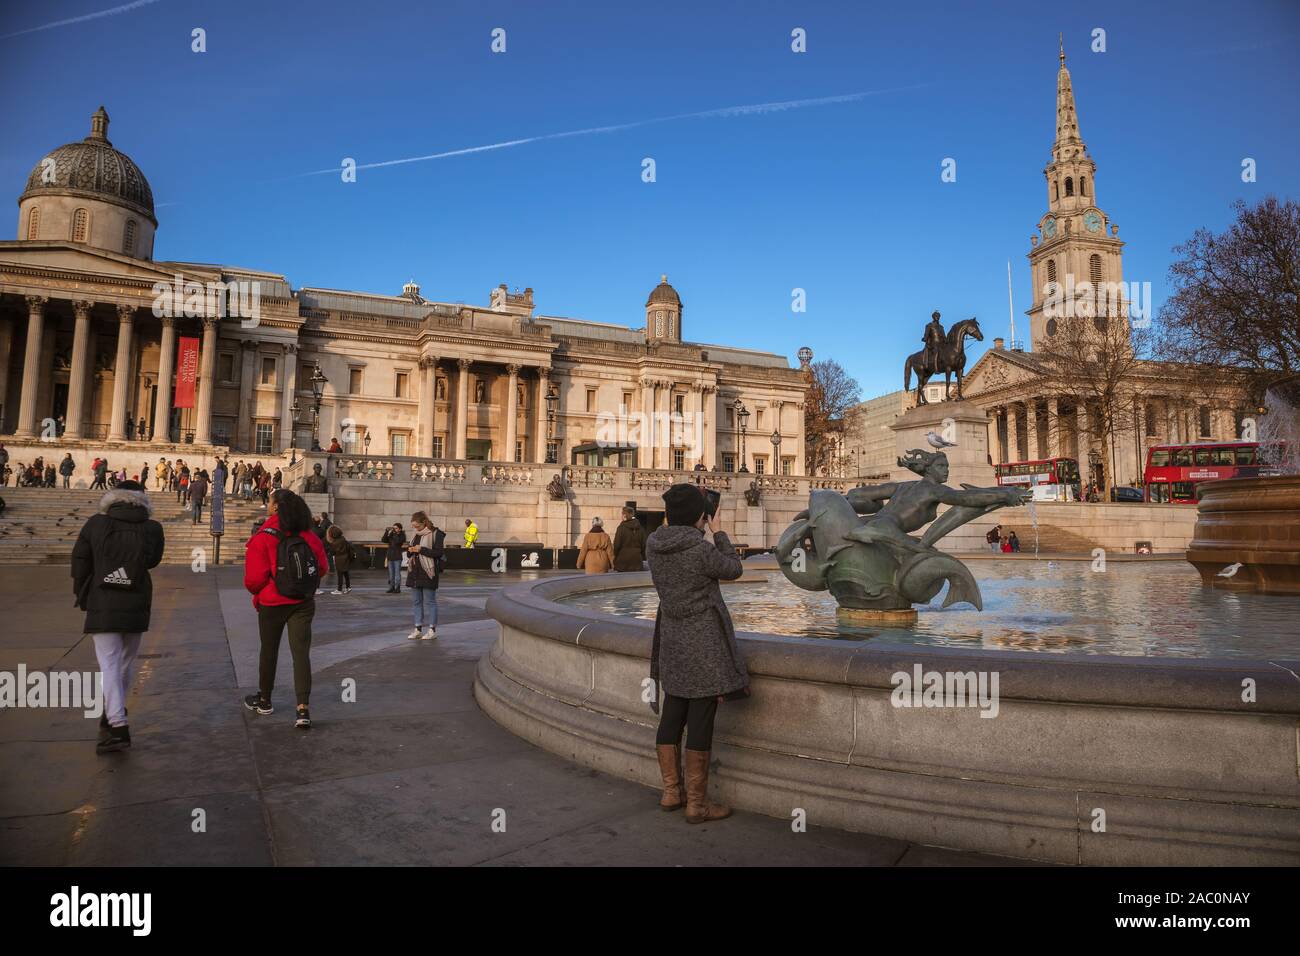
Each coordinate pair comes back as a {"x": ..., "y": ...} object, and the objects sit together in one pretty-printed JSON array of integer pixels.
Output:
[{"x": 1202, "y": 684}]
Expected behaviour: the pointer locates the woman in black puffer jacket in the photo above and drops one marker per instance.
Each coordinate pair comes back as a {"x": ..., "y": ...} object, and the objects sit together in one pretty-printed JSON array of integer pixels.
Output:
[{"x": 110, "y": 577}]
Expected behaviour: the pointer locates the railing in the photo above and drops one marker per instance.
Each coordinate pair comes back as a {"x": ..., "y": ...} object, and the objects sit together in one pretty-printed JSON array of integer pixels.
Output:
[{"x": 537, "y": 477}]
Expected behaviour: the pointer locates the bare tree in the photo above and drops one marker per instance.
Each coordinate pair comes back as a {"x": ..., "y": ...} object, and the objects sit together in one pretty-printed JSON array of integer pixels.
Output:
[
  {"x": 1094, "y": 361},
  {"x": 830, "y": 395},
  {"x": 1236, "y": 304}
]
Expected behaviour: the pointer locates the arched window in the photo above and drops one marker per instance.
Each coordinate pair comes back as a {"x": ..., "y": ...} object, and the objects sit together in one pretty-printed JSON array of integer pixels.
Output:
[
  {"x": 1051, "y": 270},
  {"x": 1094, "y": 268},
  {"x": 1051, "y": 326},
  {"x": 33, "y": 222},
  {"x": 1083, "y": 185},
  {"x": 1069, "y": 186},
  {"x": 80, "y": 225},
  {"x": 1056, "y": 190},
  {"x": 128, "y": 237}
]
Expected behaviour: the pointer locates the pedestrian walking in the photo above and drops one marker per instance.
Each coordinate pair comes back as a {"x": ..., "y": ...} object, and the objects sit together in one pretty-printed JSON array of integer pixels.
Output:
[
  {"x": 282, "y": 565},
  {"x": 425, "y": 559},
  {"x": 629, "y": 543},
  {"x": 66, "y": 468},
  {"x": 694, "y": 660},
  {"x": 994, "y": 538},
  {"x": 596, "y": 556},
  {"x": 395, "y": 538},
  {"x": 111, "y": 561},
  {"x": 471, "y": 532},
  {"x": 341, "y": 550},
  {"x": 198, "y": 493}
]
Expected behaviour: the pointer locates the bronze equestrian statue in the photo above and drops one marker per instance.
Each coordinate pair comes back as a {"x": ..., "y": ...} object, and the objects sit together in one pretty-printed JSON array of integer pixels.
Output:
[{"x": 944, "y": 352}]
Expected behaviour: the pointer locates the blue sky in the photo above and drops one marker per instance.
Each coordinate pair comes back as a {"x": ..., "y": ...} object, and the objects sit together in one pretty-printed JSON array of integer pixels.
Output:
[{"x": 843, "y": 200}]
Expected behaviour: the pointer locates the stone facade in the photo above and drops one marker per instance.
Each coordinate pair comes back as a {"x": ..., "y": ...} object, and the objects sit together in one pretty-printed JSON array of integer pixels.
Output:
[{"x": 90, "y": 325}]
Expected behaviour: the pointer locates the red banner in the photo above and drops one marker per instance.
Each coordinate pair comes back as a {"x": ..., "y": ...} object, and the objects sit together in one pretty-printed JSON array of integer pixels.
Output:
[{"x": 187, "y": 372}]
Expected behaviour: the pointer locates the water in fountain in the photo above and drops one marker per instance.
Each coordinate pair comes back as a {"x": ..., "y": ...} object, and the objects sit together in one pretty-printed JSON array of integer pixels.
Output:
[
  {"x": 1032, "y": 511},
  {"x": 1279, "y": 429}
]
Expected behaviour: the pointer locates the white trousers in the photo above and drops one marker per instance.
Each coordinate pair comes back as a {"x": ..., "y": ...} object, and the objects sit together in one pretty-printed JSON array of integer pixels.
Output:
[{"x": 116, "y": 654}]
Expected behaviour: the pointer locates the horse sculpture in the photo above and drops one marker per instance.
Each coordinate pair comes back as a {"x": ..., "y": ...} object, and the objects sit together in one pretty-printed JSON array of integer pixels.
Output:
[{"x": 948, "y": 356}]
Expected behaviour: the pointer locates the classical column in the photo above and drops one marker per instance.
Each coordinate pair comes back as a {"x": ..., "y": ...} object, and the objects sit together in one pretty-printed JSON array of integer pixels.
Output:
[
  {"x": 1083, "y": 429},
  {"x": 162, "y": 414},
  {"x": 207, "y": 372},
  {"x": 121, "y": 372},
  {"x": 696, "y": 431},
  {"x": 664, "y": 435},
  {"x": 1054, "y": 428},
  {"x": 462, "y": 407},
  {"x": 244, "y": 423},
  {"x": 709, "y": 402},
  {"x": 76, "y": 415},
  {"x": 290, "y": 379},
  {"x": 512, "y": 413},
  {"x": 1013, "y": 433},
  {"x": 646, "y": 443},
  {"x": 428, "y": 403},
  {"x": 539, "y": 445},
  {"x": 31, "y": 365}
]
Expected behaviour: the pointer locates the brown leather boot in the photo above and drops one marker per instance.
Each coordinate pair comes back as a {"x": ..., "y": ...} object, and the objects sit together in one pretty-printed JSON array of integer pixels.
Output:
[
  {"x": 699, "y": 809},
  {"x": 670, "y": 765}
]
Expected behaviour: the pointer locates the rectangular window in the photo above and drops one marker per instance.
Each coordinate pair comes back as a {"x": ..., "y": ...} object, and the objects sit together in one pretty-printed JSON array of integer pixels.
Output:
[
  {"x": 679, "y": 459},
  {"x": 758, "y": 423},
  {"x": 627, "y": 400},
  {"x": 552, "y": 452},
  {"x": 679, "y": 403},
  {"x": 304, "y": 377},
  {"x": 353, "y": 439},
  {"x": 225, "y": 367},
  {"x": 591, "y": 399},
  {"x": 519, "y": 451},
  {"x": 437, "y": 446},
  {"x": 1205, "y": 421},
  {"x": 1151, "y": 420},
  {"x": 265, "y": 436},
  {"x": 399, "y": 388},
  {"x": 1246, "y": 456},
  {"x": 787, "y": 466},
  {"x": 399, "y": 443},
  {"x": 1160, "y": 459},
  {"x": 354, "y": 381},
  {"x": 1202, "y": 456},
  {"x": 760, "y": 464},
  {"x": 731, "y": 417},
  {"x": 268, "y": 370},
  {"x": 728, "y": 462}
]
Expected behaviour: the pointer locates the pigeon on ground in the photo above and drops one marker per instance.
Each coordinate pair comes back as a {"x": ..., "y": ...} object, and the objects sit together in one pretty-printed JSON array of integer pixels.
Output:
[
  {"x": 1230, "y": 570},
  {"x": 938, "y": 441}
]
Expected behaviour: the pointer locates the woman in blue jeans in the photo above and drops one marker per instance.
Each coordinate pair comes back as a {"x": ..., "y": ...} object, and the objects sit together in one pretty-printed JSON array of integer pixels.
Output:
[{"x": 425, "y": 553}]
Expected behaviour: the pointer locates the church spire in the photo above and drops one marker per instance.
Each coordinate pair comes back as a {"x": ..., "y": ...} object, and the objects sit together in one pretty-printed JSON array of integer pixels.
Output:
[{"x": 1068, "y": 144}]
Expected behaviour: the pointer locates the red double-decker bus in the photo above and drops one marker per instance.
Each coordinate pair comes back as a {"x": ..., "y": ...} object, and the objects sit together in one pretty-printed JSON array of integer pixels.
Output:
[
  {"x": 1173, "y": 471},
  {"x": 1060, "y": 472}
]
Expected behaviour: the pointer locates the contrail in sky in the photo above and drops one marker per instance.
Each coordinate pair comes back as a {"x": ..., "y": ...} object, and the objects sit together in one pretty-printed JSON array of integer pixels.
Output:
[
  {"x": 125, "y": 8},
  {"x": 727, "y": 111}
]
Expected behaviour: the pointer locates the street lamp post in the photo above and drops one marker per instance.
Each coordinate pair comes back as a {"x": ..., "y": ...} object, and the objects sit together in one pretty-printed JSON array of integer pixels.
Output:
[
  {"x": 318, "y": 381},
  {"x": 742, "y": 418},
  {"x": 776, "y": 451},
  {"x": 294, "y": 411},
  {"x": 552, "y": 400}
]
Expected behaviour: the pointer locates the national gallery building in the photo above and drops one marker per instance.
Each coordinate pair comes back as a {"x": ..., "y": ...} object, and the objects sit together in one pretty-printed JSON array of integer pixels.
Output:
[{"x": 101, "y": 343}]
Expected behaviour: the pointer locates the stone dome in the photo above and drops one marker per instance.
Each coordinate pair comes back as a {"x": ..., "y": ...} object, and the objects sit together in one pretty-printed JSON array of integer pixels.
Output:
[
  {"x": 665, "y": 293},
  {"x": 94, "y": 169}
]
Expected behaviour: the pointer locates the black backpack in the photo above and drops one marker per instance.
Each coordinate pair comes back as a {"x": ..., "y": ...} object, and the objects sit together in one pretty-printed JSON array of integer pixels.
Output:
[
  {"x": 297, "y": 574},
  {"x": 118, "y": 564}
]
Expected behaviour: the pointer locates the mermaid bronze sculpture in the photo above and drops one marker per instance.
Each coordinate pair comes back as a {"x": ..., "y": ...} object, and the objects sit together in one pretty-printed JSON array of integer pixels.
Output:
[{"x": 859, "y": 546}]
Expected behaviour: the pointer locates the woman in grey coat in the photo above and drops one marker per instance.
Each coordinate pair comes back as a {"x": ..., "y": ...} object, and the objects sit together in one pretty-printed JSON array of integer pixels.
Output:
[{"x": 695, "y": 660}]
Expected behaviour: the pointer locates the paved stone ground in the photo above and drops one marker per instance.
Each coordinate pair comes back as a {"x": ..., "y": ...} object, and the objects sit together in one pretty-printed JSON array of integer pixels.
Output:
[{"x": 410, "y": 773}]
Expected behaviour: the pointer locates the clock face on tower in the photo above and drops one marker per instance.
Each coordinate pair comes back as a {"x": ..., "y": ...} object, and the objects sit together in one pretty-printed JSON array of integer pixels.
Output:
[
  {"x": 1091, "y": 221},
  {"x": 1049, "y": 228}
]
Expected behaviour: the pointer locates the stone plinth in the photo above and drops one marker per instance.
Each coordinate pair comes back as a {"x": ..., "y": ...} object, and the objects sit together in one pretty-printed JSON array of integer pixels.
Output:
[{"x": 959, "y": 422}]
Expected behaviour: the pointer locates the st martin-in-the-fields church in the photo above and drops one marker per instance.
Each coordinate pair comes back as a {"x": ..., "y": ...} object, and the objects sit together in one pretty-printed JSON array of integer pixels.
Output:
[{"x": 1079, "y": 302}]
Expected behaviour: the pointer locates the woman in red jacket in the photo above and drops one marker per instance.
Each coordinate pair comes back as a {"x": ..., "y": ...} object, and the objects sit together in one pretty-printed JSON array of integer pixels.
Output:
[{"x": 288, "y": 518}]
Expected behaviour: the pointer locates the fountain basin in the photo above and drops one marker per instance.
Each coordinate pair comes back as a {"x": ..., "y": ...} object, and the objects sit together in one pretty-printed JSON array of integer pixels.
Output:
[
  {"x": 1254, "y": 523},
  {"x": 1166, "y": 752}
]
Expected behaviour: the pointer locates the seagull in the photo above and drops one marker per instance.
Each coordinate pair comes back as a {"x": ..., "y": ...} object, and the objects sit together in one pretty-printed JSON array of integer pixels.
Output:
[
  {"x": 938, "y": 441},
  {"x": 1230, "y": 570}
]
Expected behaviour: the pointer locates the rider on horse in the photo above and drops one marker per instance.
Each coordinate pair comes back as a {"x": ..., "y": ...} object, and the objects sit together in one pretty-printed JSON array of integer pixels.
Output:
[{"x": 933, "y": 339}]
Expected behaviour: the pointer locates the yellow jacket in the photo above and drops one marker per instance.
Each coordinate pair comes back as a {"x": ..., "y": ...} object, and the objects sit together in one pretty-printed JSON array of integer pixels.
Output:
[{"x": 471, "y": 534}]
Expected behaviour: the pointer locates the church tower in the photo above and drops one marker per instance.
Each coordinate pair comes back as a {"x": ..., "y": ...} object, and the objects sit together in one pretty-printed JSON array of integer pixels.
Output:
[{"x": 1077, "y": 249}]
